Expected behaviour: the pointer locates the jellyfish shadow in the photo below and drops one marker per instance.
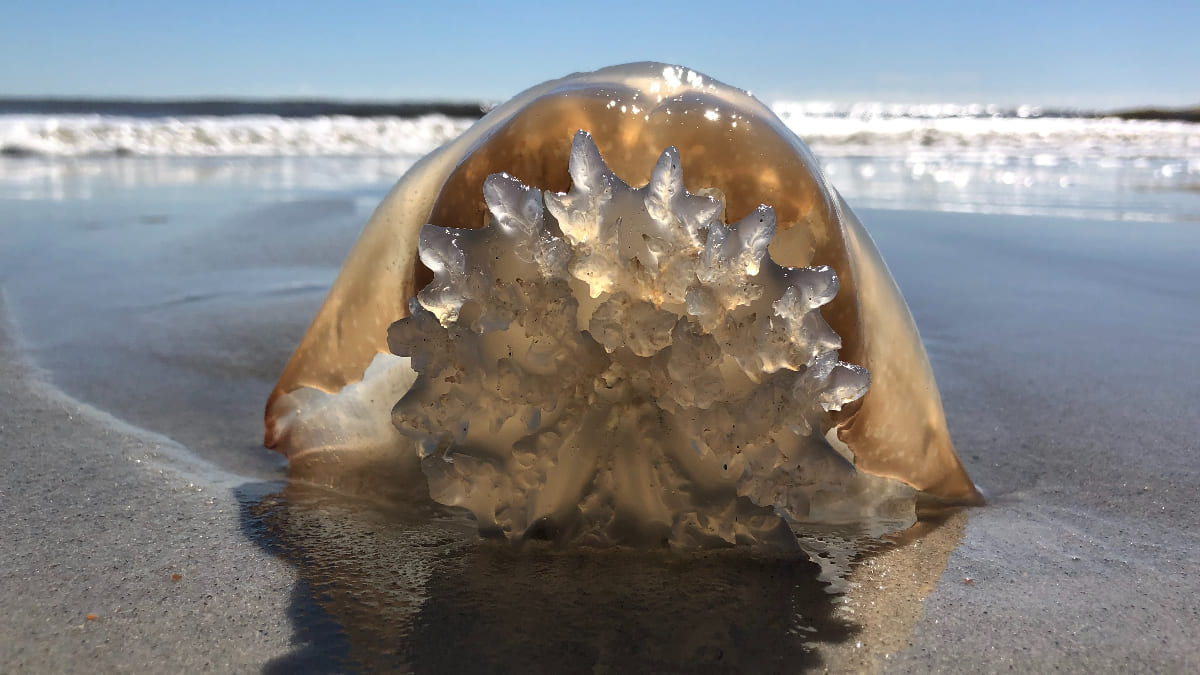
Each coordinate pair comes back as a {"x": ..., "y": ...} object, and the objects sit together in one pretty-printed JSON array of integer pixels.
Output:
[{"x": 411, "y": 587}]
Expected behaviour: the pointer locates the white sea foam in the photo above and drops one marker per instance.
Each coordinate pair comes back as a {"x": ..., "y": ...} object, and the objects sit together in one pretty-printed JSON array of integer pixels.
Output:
[
  {"x": 228, "y": 136},
  {"x": 988, "y": 132},
  {"x": 988, "y": 159},
  {"x": 955, "y": 157}
]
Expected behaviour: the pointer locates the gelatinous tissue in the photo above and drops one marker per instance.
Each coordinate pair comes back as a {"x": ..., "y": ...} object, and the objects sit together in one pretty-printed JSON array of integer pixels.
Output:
[{"x": 599, "y": 363}]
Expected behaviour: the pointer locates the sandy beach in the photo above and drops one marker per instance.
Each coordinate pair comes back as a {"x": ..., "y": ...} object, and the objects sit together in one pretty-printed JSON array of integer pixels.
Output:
[
  {"x": 143, "y": 324},
  {"x": 106, "y": 521}
]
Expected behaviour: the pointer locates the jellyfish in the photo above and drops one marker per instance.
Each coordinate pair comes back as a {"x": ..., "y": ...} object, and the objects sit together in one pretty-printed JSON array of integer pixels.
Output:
[{"x": 624, "y": 307}]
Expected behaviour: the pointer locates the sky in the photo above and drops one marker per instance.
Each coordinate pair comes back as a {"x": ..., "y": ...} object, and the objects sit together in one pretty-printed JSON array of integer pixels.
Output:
[{"x": 1094, "y": 55}]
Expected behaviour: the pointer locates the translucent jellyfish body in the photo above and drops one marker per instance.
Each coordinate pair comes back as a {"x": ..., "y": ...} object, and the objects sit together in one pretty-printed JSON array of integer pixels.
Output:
[{"x": 610, "y": 363}]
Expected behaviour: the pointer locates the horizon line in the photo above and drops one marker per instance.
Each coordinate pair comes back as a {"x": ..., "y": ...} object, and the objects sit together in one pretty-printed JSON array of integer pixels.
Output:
[{"x": 303, "y": 106}]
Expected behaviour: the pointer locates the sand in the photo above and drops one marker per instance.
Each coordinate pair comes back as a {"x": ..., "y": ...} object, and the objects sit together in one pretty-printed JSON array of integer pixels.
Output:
[
  {"x": 1065, "y": 350},
  {"x": 1066, "y": 354},
  {"x": 98, "y": 520}
]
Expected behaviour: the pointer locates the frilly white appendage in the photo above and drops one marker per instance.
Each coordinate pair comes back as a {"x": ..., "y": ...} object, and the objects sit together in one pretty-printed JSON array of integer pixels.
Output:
[{"x": 615, "y": 364}]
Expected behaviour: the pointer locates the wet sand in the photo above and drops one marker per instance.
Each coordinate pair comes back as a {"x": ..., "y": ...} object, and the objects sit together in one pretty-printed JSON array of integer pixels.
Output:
[
  {"x": 99, "y": 517},
  {"x": 1065, "y": 350},
  {"x": 1066, "y": 354}
]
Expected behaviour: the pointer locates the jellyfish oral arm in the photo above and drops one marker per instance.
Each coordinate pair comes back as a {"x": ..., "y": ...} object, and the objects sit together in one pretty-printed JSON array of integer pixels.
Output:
[{"x": 596, "y": 360}]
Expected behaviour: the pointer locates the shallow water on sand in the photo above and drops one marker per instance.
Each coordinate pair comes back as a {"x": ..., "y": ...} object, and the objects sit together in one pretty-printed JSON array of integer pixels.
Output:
[
  {"x": 171, "y": 291},
  {"x": 1062, "y": 348},
  {"x": 173, "y": 303},
  {"x": 173, "y": 300}
]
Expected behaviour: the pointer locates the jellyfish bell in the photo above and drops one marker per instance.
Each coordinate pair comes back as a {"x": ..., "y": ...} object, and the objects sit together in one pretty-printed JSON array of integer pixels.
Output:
[{"x": 331, "y": 411}]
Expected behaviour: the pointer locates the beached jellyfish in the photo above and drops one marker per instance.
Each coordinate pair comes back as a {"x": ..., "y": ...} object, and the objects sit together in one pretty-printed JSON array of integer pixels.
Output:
[{"x": 685, "y": 361}]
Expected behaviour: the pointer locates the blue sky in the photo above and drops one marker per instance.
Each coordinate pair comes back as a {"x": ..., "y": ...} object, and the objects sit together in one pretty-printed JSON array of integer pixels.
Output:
[{"x": 1098, "y": 54}]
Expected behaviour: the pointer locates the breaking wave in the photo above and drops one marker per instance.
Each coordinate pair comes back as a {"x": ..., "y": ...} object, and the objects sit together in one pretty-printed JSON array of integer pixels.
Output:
[
  {"x": 950, "y": 157},
  {"x": 875, "y": 129},
  {"x": 224, "y": 136}
]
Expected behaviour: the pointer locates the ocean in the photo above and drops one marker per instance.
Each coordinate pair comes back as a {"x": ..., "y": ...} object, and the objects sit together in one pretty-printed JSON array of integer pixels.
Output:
[
  {"x": 972, "y": 158},
  {"x": 159, "y": 263}
]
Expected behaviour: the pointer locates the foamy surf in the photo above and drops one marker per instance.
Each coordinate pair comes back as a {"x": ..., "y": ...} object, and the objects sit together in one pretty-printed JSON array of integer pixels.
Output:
[
  {"x": 854, "y": 130},
  {"x": 223, "y": 136},
  {"x": 947, "y": 157}
]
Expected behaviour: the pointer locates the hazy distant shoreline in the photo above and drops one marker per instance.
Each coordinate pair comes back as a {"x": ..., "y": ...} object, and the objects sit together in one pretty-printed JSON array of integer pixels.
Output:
[
  {"x": 231, "y": 107},
  {"x": 300, "y": 108},
  {"x": 1160, "y": 114}
]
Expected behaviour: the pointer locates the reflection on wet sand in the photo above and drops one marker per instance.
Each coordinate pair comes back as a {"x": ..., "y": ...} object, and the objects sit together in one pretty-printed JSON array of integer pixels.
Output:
[{"x": 413, "y": 588}]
